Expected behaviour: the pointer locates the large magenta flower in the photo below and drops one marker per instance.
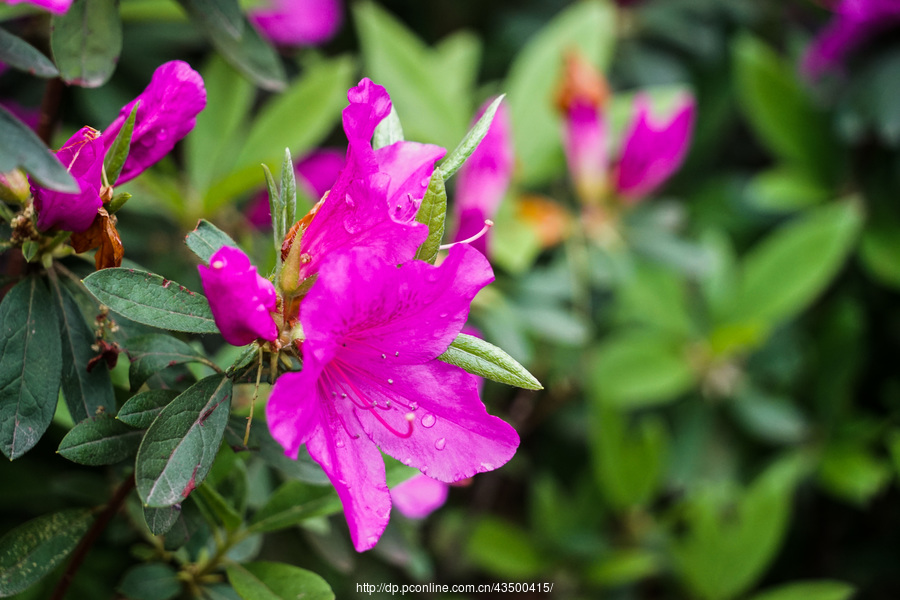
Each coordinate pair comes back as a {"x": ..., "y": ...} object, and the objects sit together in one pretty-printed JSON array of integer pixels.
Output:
[
  {"x": 297, "y": 22},
  {"x": 653, "y": 148},
  {"x": 856, "y": 22},
  {"x": 55, "y": 6},
  {"x": 371, "y": 380},
  {"x": 484, "y": 179}
]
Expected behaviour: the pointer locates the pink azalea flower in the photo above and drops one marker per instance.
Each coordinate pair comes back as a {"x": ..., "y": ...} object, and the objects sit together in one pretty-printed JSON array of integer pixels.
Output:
[
  {"x": 419, "y": 496},
  {"x": 371, "y": 380},
  {"x": 585, "y": 140},
  {"x": 856, "y": 22},
  {"x": 297, "y": 22},
  {"x": 484, "y": 179},
  {"x": 242, "y": 302},
  {"x": 168, "y": 111},
  {"x": 55, "y": 6},
  {"x": 83, "y": 156},
  {"x": 653, "y": 148}
]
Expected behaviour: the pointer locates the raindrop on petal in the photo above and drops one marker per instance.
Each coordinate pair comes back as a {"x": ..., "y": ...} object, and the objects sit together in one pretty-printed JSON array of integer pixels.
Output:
[
  {"x": 440, "y": 443},
  {"x": 413, "y": 406},
  {"x": 428, "y": 420}
]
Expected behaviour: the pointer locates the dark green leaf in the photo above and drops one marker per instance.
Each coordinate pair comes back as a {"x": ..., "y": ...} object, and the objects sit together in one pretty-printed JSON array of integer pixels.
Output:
[
  {"x": 293, "y": 503},
  {"x": 217, "y": 508},
  {"x": 142, "y": 409},
  {"x": 30, "y": 250},
  {"x": 481, "y": 358},
  {"x": 206, "y": 239},
  {"x": 152, "y": 300},
  {"x": 118, "y": 152},
  {"x": 155, "y": 581},
  {"x": 451, "y": 164},
  {"x": 246, "y": 51},
  {"x": 34, "y": 549},
  {"x": 100, "y": 441},
  {"x": 288, "y": 191},
  {"x": 808, "y": 590},
  {"x": 276, "y": 581},
  {"x": 30, "y": 367},
  {"x": 879, "y": 250},
  {"x": 18, "y": 53},
  {"x": 154, "y": 352},
  {"x": 432, "y": 212},
  {"x": 86, "y": 42},
  {"x": 181, "y": 444},
  {"x": 21, "y": 147},
  {"x": 160, "y": 520},
  {"x": 388, "y": 132},
  {"x": 85, "y": 391}
]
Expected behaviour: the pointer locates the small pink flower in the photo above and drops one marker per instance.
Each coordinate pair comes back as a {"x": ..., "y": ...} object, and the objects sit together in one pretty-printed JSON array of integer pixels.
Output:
[
  {"x": 241, "y": 301},
  {"x": 484, "y": 178},
  {"x": 55, "y": 6},
  {"x": 297, "y": 22},
  {"x": 653, "y": 148},
  {"x": 419, "y": 496},
  {"x": 586, "y": 140}
]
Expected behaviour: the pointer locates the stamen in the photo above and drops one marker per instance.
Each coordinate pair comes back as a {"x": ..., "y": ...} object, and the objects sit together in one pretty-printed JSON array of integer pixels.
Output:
[
  {"x": 487, "y": 226},
  {"x": 359, "y": 402}
]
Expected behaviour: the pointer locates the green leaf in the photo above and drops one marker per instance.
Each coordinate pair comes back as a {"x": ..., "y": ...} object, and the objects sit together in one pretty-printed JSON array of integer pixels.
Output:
[
  {"x": 160, "y": 520},
  {"x": 211, "y": 502},
  {"x": 785, "y": 272},
  {"x": 118, "y": 152},
  {"x": 142, "y": 409},
  {"x": 879, "y": 250},
  {"x": 503, "y": 549},
  {"x": 623, "y": 567},
  {"x": 451, "y": 164},
  {"x": 293, "y": 503},
  {"x": 853, "y": 472},
  {"x": 21, "y": 147},
  {"x": 244, "y": 49},
  {"x": 155, "y": 581},
  {"x": 276, "y": 581},
  {"x": 86, "y": 42},
  {"x": 785, "y": 190},
  {"x": 154, "y": 352},
  {"x": 288, "y": 191},
  {"x": 321, "y": 92},
  {"x": 85, "y": 391},
  {"x": 30, "y": 249},
  {"x": 634, "y": 369},
  {"x": 808, "y": 590},
  {"x": 21, "y": 55},
  {"x": 206, "y": 239},
  {"x": 34, "y": 549},
  {"x": 589, "y": 27},
  {"x": 100, "y": 441},
  {"x": 152, "y": 300},
  {"x": 432, "y": 212},
  {"x": 30, "y": 367},
  {"x": 181, "y": 444},
  {"x": 389, "y": 131},
  {"x": 782, "y": 116},
  {"x": 478, "y": 357}
]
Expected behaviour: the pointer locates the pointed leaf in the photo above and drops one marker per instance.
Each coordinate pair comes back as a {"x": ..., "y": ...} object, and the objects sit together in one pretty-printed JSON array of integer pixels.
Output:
[
  {"x": 154, "y": 352},
  {"x": 152, "y": 300},
  {"x": 160, "y": 520},
  {"x": 30, "y": 369},
  {"x": 451, "y": 164},
  {"x": 808, "y": 590},
  {"x": 34, "y": 549},
  {"x": 217, "y": 507},
  {"x": 388, "y": 132},
  {"x": 276, "y": 581},
  {"x": 181, "y": 444},
  {"x": 18, "y": 53},
  {"x": 478, "y": 357},
  {"x": 293, "y": 503},
  {"x": 206, "y": 239},
  {"x": 22, "y": 147},
  {"x": 86, "y": 42},
  {"x": 118, "y": 152},
  {"x": 432, "y": 212},
  {"x": 288, "y": 192},
  {"x": 142, "y": 409},
  {"x": 100, "y": 441},
  {"x": 156, "y": 581}
]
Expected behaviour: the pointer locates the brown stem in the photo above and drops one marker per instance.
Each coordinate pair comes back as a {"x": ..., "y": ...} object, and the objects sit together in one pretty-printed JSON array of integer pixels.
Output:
[
  {"x": 49, "y": 109},
  {"x": 91, "y": 536}
]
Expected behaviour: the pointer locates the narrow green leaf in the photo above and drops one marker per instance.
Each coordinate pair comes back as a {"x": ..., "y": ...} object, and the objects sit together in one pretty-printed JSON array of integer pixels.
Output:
[
  {"x": 206, "y": 239},
  {"x": 34, "y": 549},
  {"x": 478, "y": 357},
  {"x": 18, "y": 53},
  {"x": 154, "y": 352},
  {"x": 288, "y": 192},
  {"x": 247, "y": 51},
  {"x": 389, "y": 131},
  {"x": 160, "y": 520},
  {"x": 293, "y": 503},
  {"x": 451, "y": 164},
  {"x": 21, "y": 147},
  {"x": 118, "y": 152},
  {"x": 276, "y": 581},
  {"x": 152, "y": 300},
  {"x": 85, "y": 391},
  {"x": 30, "y": 368},
  {"x": 86, "y": 42},
  {"x": 155, "y": 581},
  {"x": 211, "y": 501},
  {"x": 181, "y": 444},
  {"x": 432, "y": 212},
  {"x": 142, "y": 409},
  {"x": 100, "y": 441},
  {"x": 276, "y": 207},
  {"x": 808, "y": 590}
]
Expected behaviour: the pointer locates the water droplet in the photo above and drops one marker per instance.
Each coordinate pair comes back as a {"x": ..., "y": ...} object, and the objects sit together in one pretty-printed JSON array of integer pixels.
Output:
[
  {"x": 413, "y": 406},
  {"x": 373, "y": 539},
  {"x": 486, "y": 466},
  {"x": 428, "y": 420},
  {"x": 440, "y": 443},
  {"x": 407, "y": 461},
  {"x": 387, "y": 404},
  {"x": 397, "y": 353},
  {"x": 390, "y": 381},
  {"x": 443, "y": 315},
  {"x": 343, "y": 482},
  {"x": 339, "y": 443},
  {"x": 343, "y": 395},
  {"x": 383, "y": 355},
  {"x": 425, "y": 182}
]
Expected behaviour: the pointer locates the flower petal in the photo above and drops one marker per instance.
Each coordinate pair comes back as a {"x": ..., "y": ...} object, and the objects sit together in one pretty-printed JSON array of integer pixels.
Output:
[
  {"x": 419, "y": 496},
  {"x": 586, "y": 139},
  {"x": 55, "y": 6},
  {"x": 409, "y": 165},
  {"x": 297, "y": 22}
]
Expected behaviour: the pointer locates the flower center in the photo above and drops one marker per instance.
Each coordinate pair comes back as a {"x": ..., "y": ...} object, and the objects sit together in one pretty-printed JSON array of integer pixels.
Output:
[{"x": 343, "y": 387}]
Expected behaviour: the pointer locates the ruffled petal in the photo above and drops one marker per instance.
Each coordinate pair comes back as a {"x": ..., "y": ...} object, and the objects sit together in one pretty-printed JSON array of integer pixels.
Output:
[{"x": 409, "y": 165}]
